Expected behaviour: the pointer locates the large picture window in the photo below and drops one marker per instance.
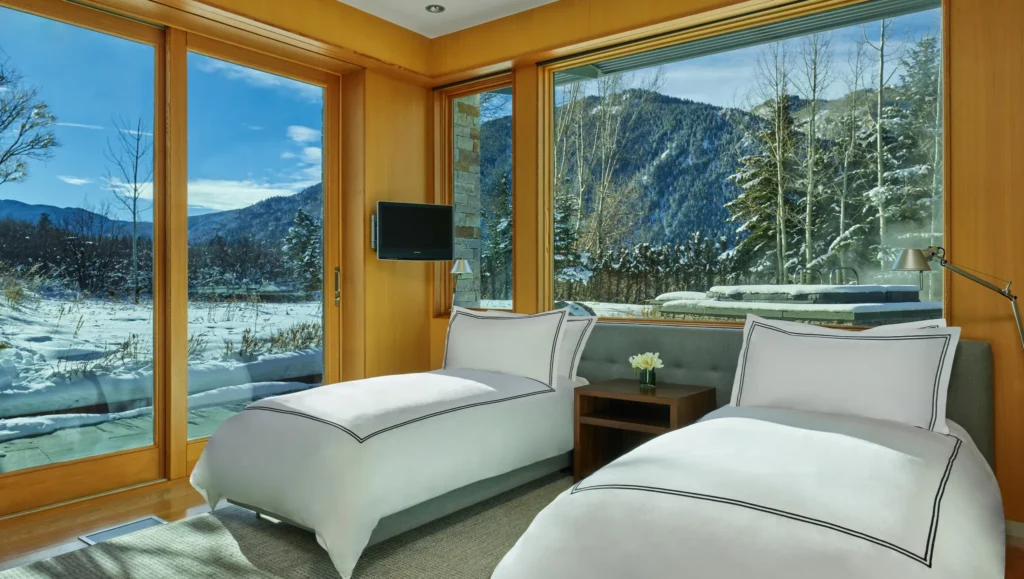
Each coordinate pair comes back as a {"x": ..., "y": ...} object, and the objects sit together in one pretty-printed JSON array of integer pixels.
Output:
[{"x": 776, "y": 171}]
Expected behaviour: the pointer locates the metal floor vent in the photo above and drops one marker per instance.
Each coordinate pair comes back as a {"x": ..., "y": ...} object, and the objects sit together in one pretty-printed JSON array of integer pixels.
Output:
[{"x": 122, "y": 530}]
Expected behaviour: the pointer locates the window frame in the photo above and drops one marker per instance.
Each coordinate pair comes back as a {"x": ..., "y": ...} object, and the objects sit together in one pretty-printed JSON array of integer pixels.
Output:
[
  {"x": 750, "y": 18},
  {"x": 444, "y": 174}
]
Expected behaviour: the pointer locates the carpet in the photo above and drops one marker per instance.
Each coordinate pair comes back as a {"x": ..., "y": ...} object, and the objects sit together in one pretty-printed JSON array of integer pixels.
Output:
[{"x": 232, "y": 542}]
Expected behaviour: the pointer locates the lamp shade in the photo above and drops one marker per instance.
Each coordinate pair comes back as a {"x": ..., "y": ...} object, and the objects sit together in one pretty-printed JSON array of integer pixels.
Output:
[
  {"x": 911, "y": 260},
  {"x": 461, "y": 266}
]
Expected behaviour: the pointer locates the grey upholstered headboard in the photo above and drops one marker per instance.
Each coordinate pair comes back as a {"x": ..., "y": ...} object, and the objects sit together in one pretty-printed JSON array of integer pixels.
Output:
[{"x": 708, "y": 356}]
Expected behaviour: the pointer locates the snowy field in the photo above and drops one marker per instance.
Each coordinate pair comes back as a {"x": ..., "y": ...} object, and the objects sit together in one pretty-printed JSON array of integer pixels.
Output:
[{"x": 68, "y": 363}]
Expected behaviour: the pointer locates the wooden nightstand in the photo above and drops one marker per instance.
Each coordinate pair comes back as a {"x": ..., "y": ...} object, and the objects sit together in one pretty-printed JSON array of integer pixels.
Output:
[{"x": 614, "y": 417}]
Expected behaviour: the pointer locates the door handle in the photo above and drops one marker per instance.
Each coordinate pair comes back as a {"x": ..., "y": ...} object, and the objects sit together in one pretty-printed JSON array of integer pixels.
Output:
[{"x": 337, "y": 286}]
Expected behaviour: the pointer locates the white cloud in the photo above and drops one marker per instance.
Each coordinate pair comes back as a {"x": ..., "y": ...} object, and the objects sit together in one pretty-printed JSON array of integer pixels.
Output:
[
  {"x": 74, "y": 180},
  {"x": 254, "y": 127},
  {"x": 133, "y": 132},
  {"x": 287, "y": 155},
  {"x": 312, "y": 155},
  {"x": 119, "y": 186},
  {"x": 225, "y": 194},
  {"x": 80, "y": 126},
  {"x": 303, "y": 135},
  {"x": 261, "y": 79}
]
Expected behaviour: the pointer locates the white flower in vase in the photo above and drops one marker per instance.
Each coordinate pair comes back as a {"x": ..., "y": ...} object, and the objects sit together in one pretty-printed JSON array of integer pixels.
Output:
[{"x": 646, "y": 361}]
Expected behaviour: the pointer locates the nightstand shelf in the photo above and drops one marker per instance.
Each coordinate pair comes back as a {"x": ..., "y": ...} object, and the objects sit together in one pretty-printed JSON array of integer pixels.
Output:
[
  {"x": 610, "y": 419},
  {"x": 614, "y": 417}
]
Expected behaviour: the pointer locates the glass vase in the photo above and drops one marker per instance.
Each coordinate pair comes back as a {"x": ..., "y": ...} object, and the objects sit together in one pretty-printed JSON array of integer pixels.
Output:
[{"x": 648, "y": 380}]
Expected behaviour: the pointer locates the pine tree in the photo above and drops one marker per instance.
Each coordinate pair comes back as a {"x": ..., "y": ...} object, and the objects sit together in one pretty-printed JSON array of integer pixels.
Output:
[
  {"x": 920, "y": 94},
  {"x": 767, "y": 201},
  {"x": 303, "y": 247},
  {"x": 496, "y": 251},
  {"x": 572, "y": 266}
]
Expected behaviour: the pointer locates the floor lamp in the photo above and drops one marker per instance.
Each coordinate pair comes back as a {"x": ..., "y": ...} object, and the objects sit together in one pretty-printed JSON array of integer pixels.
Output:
[{"x": 917, "y": 260}]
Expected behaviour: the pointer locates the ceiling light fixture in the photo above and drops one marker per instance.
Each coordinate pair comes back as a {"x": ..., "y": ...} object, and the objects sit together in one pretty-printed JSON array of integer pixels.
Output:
[{"x": 435, "y": 8}]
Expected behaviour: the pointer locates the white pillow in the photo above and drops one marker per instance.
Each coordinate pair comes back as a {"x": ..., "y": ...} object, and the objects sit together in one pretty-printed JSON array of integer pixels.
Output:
[
  {"x": 520, "y": 346},
  {"x": 577, "y": 332},
  {"x": 898, "y": 375}
]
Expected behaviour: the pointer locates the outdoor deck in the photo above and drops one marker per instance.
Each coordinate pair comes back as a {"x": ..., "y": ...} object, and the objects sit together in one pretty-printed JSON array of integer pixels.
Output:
[{"x": 116, "y": 435}]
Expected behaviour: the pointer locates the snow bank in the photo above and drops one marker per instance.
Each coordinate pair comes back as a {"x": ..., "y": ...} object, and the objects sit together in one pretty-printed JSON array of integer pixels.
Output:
[
  {"x": 17, "y": 428},
  {"x": 68, "y": 353},
  {"x": 674, "y": 296}
]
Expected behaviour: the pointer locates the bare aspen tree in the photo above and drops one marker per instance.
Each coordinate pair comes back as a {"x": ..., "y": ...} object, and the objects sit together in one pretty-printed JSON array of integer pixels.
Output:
[
  {"x": 773, "y": 84},
  {"x": 847, "y": 140},
  {"x": 622, "y": 101},
  {"x": 815, "y": 79},
  {"x": 25, "y": 126},
  {"x": 883, "y": 77},
  {"x": 129, "y": 174}
]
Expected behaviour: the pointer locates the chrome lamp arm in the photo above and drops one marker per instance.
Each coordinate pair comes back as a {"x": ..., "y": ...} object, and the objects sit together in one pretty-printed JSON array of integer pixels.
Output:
[{"x": 933, "y": 252}]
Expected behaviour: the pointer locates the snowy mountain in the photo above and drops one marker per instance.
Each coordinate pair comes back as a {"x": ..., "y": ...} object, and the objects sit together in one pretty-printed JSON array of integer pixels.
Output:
[
  {"x": 67, "y": 217},
  {"x": 267, "y": 220},
  {"x": 683, "y": 150}
]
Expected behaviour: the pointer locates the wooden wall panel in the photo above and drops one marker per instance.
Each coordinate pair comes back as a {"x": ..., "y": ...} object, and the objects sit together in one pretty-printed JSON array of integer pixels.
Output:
[
  {"x": 986, "y": 132},
  {"x": 397, "y": 292},
  {"x": 387, "y": 309},
  {"x": 337, "y": 24}
]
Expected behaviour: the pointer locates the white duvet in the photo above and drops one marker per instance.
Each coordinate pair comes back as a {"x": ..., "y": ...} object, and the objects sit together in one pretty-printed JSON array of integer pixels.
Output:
[
  {"x": 776, "y": 494},
  {"x": 338, "y": 458}
]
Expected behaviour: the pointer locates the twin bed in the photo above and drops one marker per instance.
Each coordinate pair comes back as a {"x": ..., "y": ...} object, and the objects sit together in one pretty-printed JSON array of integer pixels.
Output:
[{"x": 771, "y": 485}]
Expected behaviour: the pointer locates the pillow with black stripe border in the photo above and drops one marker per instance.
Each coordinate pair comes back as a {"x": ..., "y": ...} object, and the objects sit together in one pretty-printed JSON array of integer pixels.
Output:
[
  {"x": 901, "y": 374},
  {"x": 577, "y": 333},
  {"x": 527, "y": 346}
]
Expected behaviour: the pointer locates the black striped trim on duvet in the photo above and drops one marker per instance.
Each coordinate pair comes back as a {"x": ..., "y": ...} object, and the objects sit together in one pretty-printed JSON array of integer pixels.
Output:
[
  {"x": 874, "y": 337},
  {"x": 362, "y": 439},
  {"x": 925, "y": 558}
]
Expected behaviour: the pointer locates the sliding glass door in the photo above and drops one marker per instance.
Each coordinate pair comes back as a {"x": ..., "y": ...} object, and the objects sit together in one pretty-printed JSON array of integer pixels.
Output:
[
  {"x": 255, "y": 238},
  {"x": 169, "y": 225},
  {"x": 76, "y": 242}
]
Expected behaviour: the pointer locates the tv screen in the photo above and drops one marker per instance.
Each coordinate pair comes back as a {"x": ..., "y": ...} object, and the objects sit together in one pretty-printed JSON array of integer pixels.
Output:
[{"x": 414, "y": 231}]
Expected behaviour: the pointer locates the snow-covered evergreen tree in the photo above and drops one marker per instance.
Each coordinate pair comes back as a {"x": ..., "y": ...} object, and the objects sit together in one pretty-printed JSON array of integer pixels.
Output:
[
  {"x": 496, "y": 246},
  {"x": 303, "y": 247},
  {"x": 767, "y": 201}
]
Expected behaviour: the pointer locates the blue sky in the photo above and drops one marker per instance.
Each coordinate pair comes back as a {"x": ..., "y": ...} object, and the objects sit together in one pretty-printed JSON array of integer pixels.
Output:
[
  {"x": 726, "y": 79},
  {"x": 252, "y": 135}
]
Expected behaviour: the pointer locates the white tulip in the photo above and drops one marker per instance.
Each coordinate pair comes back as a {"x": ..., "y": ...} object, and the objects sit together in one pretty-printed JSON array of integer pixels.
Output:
[{"x": 646, "y": 361}]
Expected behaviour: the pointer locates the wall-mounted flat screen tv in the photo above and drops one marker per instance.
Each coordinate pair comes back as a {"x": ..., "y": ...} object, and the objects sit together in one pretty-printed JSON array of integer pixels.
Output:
[{"x": 414, "y": 231}]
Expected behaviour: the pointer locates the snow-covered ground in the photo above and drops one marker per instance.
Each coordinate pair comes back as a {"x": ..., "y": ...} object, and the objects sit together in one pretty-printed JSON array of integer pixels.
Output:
[{"x": 58, "y": 356}]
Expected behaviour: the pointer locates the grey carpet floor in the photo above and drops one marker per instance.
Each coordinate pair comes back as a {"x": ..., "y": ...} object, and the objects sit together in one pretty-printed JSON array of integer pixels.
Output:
[{"x": 233, "y": 542}]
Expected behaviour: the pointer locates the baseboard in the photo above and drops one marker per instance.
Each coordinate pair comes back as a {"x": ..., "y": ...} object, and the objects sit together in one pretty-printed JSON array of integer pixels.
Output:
[{"x": 1015, "y": 529}]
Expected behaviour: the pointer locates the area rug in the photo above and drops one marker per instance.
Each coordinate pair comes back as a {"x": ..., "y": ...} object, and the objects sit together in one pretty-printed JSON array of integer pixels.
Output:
[{"x": 233, "y": 542}]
